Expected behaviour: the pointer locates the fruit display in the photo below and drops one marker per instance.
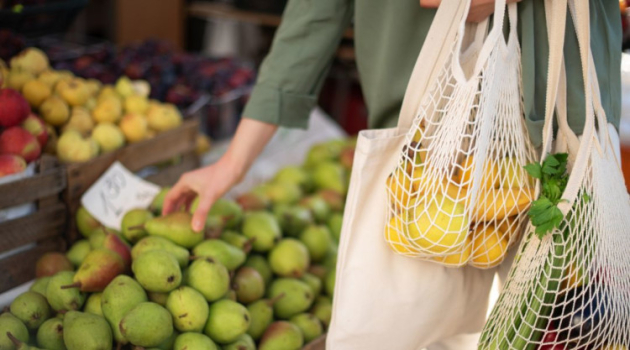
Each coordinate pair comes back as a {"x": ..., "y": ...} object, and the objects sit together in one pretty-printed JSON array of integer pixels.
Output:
[
  {"x": 258, "y": 277},
  {"x": 436, "y": 215},
  {"x": 76, "y": 119}
]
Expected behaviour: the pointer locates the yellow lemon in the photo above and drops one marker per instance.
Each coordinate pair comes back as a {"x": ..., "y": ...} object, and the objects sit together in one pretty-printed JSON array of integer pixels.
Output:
[
  {"x": 457, "y": 259},
  {"x": 439, "y": 225},
  {"x": 496, "y": 204},
  {"x": 400, "y": 188},
  {"x": 489, "y": 247},
  {"x": 394, "y": 235},
  {"x": 490, "y": 173},
  {"x": 512, "y": 174}
]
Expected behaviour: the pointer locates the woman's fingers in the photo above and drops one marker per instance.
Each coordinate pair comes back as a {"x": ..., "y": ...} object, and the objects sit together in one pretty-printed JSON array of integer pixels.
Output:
[
  {"x": 201, "y": 213},
  {"x": 175, "y": 197}
]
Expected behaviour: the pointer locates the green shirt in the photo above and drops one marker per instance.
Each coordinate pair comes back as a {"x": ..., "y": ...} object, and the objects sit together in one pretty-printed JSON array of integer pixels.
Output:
[{"x": 388, "y": 37}]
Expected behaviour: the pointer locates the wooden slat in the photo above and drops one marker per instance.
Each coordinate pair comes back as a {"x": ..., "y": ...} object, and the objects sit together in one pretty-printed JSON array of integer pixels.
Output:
[
  {"x": 317, "y": 344},
  {"x": 27, "y": 190},
  {"x": 20, "y": 268},
  {"x": 170, "y": 175},
  {"x": 45, "y": 223}
]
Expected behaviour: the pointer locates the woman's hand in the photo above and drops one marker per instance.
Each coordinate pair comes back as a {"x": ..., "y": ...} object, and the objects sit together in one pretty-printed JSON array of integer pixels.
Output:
[
  {"x": 212, "y": 182},
  {"x": 479, "y": 9}
]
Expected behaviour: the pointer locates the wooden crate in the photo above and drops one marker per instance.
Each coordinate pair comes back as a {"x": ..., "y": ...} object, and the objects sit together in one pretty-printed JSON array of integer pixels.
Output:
[
  {"x": 178, "y": 143},
  {"x": 28, "y": 237}
]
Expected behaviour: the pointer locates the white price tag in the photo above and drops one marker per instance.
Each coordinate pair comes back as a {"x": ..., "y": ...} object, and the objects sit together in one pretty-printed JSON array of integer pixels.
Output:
[{"x": 117, "y": 191}]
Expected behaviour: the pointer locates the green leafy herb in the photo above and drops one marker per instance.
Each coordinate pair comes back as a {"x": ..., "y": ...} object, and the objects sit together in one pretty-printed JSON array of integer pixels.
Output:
[{"x": 552, "y": 173}]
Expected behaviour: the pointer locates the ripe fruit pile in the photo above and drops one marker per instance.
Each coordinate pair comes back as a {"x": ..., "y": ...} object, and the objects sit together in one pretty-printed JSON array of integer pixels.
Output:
[
  {"x": 442, "y": 221},
  {"x": 74, "y": 118},
  {"x": 261, "y": 276}
]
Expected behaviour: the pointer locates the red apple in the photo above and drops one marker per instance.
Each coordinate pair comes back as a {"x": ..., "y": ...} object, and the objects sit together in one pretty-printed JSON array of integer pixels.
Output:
[
  {"x": 13, "y": 108},
  {"x": 20, "y": 142},
  {"x": 11, "y": 164},
  {"x": 37, "y": 128}
]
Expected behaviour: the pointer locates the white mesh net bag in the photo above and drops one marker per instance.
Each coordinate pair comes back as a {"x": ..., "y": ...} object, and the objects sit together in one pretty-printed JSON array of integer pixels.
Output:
[
  {"x": 569, "y": 287},
  {"x": 459, "y": 193}
]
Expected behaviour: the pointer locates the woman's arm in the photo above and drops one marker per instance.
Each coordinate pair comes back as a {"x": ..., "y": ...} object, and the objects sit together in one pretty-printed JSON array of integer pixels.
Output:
[{"x": 213, "y": 181}]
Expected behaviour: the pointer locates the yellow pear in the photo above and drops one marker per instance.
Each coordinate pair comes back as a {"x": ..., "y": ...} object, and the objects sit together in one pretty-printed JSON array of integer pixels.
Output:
[
  {"x": 54, "y": 111},
  {"x": 141, "y": 88},
  {"x": 489, "y": 247},
  {"x": 136, "y": 104},
  {"x": 35, "y": 92},
  {"x": 512, "y": 174},
  {"x": 124, "y": 86},
  {"x": 65, "y": 74},
  {"x": 16, "y": 79},
  {"x": 457, "y": 259},
  {"x": 90, "y": 104},
  {"x": 93, "y": 86},
  {"x": 75, "y": 92},
  {"x": 107, "y": 110},
  {"x": 134, "y": 126},
  {"x": 106, "y": 92},
  {"x": 490, "y": 173},
  {"x": 164, "y": 118},
  {"x": 496, "y": 204},
  {"x": 438, "y": 225},
  {"x": 202, "y": 144},
  {"x": 50, "y": 78},
  {"x": 394, "y": 235},
  {"x": 399, "y": 188},
  {"x": 73, "y": 148},
  {"x": 31, "y": 60},
  {"x": 108, "y": 136},
  {"x": 80, "y": 120},
  {"x": 4, "y": 75}
]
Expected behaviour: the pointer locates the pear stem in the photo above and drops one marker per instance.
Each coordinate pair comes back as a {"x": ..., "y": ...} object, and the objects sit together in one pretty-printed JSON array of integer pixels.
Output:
[
  {"x": 17, "y": 342},
  {"x": 137, "y": 227},
  {"x": 73, "y": 285},
  {"x": 272, "y": 301}
]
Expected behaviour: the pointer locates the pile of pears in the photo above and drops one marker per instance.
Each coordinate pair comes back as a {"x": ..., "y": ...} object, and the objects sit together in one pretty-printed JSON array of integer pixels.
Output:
[{"x": 260, "y": 276}]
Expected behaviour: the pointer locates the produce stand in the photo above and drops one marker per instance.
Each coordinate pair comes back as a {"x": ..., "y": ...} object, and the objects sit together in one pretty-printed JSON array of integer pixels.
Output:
[
  {"x": 23, "y": 240},
  {"x": 150, "y": 156}
]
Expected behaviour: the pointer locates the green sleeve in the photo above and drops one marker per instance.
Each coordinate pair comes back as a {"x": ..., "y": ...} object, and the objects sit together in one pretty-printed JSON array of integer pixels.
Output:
[
  {"x": 606, "y": 36},
  {"x": 294, "y": 71}
]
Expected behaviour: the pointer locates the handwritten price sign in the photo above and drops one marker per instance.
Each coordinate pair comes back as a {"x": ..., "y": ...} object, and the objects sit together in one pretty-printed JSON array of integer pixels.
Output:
[{"x": 116, "y": 192}]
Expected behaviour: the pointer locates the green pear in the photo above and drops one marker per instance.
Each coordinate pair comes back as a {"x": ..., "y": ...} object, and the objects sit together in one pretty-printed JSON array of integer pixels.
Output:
[
  {"x": 50, "y": 334},
  {"x": 97, "y": 238},
  {"x": 322, "y": 309},
  {"x": 262, "y": 227},
  {"x": 31, "y": 308},
  {"x": 317, "y": 240},
  {"x": 248, "y": 285},
  {"x": 194, "y": 341},
  {"x": 244, "y": 342},
  {"x": 289, "y": 258},
  {"x": 118, "y": 298},
  {"x": 330, "y": 261},
  {"x": 282, "y": 335},
  {"x": 295, "y": 175},
  {"x": 282, "y": 193},
  {"x": 17, "y": 344},
  {"x": 261, "y": 313},
  {"x": 64, "y": 298},
  {"x": 313, "y": 281},
  {"x": 323, "y": 152},
  {"x": 168, "y": 344},
  {"x": 13, "y": 325},
  {"x": 86, "y": 223},
  {"x": 159, "y": 298},
  {"x": 236, "y": 239},
  {"x": 176, "y": 228},
  {"x": 334, "y": 225},
  {"x": 98, "y": 269},
  {"x": 158, "y": 201},
  {"x": 209, "y": 277},
  {"x": 83, "y": 331},
  {"x": 318, "y": 207},
  {"x": 292, "y": 219},
  {"x": 329, "y": 175},
  {"x": 310, "y": 326},
  {"x": 260, "y": 264},
  {"x": 227, "y": 321},
  {"x": 157, "y": 271},
  {"x": 319, "y": 271},
  {"x": 158, "y": 243},
  {"x": 132, "y": 224},
  {"x": 253, "y": 201},
  {"x": 40, "y": 285},
  {"x": 78, "y": 251},
  {"x": 329, "y": 282},
  {"x": 93, "y": 304},
  {"x": 185, "y": 275},
  {"x": 229, "y": 211},
  {"x": 223, "y": 252},
  {"x": 189, "y": 309},
  {"x": 298, "y": 297},
  {"x": 335, "y": 199},
  {"x": 147, "y": 324}
]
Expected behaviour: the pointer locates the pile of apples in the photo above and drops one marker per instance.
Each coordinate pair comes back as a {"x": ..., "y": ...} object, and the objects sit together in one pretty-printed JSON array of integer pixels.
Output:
[
  {"x": 260, "y": 276},
  {"x": 71, "y": 117}
]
